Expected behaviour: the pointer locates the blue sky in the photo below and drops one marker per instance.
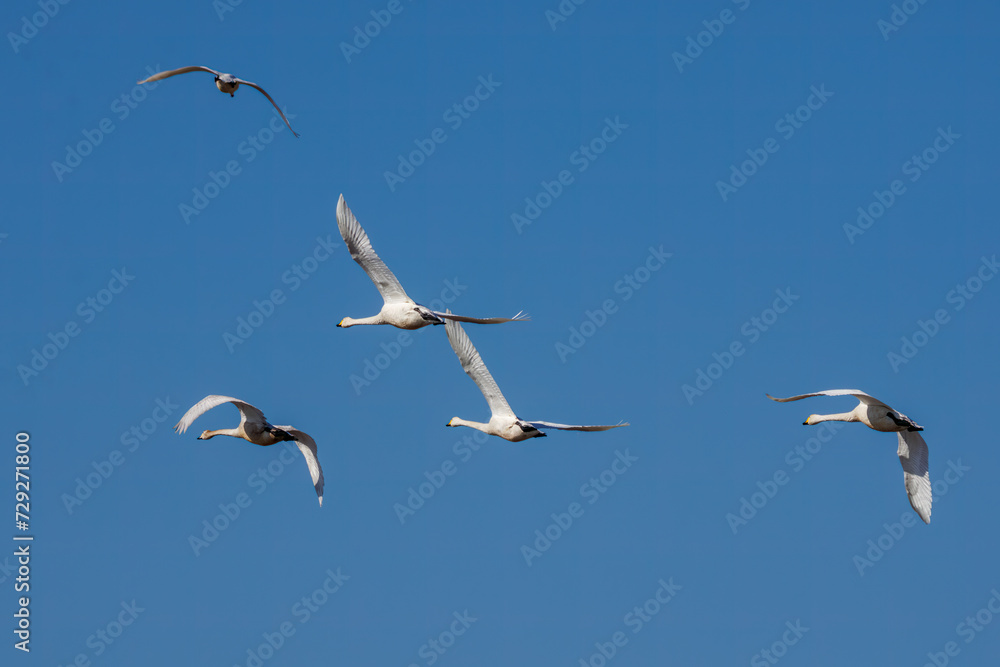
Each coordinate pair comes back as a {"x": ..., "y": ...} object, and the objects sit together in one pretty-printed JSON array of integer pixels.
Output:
[{"x": 733, "y": 197}]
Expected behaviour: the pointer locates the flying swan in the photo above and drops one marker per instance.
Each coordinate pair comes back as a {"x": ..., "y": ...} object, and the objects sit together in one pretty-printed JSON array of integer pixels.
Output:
[
  {"x": 503, "y": 421},
  {"x": 398, "y": 310},
  {"x": 254, "y": 428},
  {"x": 227, "y": 83},
  {"x": 876, "y": 415}
]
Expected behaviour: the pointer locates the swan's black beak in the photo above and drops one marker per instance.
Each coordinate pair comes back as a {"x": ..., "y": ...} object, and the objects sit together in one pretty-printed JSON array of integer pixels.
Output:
[{"x": 805, "y": 423}]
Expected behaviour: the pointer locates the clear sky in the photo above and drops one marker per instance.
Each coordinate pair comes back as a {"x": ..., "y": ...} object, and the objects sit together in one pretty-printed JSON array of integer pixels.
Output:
[{"x": 697, "y": 203}]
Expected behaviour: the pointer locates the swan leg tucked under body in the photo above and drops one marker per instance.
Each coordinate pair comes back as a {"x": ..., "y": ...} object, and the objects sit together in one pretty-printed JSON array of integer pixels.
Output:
[
  {"x": 876, "y": 415},
  {"x": 226, "y": 83},
  {"x": 253, "y": 427},
  {"x": 398, "y": 309},
  {"x": 503, "y": 422}
]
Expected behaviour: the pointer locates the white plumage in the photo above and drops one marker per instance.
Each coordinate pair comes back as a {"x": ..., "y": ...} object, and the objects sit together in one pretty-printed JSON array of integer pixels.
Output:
[
  {"x": 503, "y": 422},
  {"x": 399, "y": 310}
]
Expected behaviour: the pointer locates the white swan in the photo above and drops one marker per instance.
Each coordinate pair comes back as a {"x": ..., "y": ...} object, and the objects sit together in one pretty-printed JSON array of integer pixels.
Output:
[
  {"x": 503, "y": 422},
  {"x": 398, "y": 310},
  {"x": 876, "y": 415},
  {"x": 254, "y": 428},
  {"x": 227, "y": 83}
]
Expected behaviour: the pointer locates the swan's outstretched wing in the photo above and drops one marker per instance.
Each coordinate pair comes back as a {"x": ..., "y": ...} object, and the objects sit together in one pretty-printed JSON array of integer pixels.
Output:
[
  {"x": 520, "y": 317},
  {"x": 183, "y": 70},
  {"x": 476, "y": 369},
  {"x": 248, "y": 413},
  {"x": 363, "y": 253},
  {"x": 565, "y": 427},
  {"x": 308, "y": 448},
  {"x": 913, "y": 455},
  {"x": 856, "y": 393},
  {"x": 254, "y": 85}
]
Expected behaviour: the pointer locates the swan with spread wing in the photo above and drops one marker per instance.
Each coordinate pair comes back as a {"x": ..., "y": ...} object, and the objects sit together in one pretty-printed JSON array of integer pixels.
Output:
[
  {"x": 878, "y": 416},
  {"x": 398, "y": 309},
  {"x": 503, "y": 422},
  {"x": 253, "y": 427},
  {"x": 226, "y": 83}
]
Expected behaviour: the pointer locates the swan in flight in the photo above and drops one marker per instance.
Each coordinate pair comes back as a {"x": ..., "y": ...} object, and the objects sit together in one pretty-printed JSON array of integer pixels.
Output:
[
  {"x": 876, "y": 415},
  {"x": 503, "y": 421},
  {"x": 398, "y": 310},
  {"x": 254, "y": 428},
  {"x": 227, "y": 83}
]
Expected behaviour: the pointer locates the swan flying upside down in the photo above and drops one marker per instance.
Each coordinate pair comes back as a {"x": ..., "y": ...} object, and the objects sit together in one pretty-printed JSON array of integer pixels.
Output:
[
  {"x": 253, "y": 427},
  {"x": 878, "y": 416}
]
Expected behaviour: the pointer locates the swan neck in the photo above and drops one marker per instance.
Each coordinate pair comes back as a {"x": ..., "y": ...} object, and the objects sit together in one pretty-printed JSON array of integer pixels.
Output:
[
  {"x": 479, "y": 426},
  {"x": 374, "y": 319},
  {"x": 837, "y": 417},
  {"x": 222, "y": 431}
]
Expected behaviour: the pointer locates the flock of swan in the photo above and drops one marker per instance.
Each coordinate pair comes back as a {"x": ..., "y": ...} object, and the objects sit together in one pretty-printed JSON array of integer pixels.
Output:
[{"x": 400, "y": 311}]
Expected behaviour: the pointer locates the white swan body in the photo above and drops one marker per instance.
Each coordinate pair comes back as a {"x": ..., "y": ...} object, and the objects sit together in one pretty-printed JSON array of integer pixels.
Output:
[
  {"x": 253, "y": 427},
  {"x": 398, "y": 309},
  {"x": 876, "y": 415},
  {"x": 503, "y": 422},
  {"x": 226, "y": 83}
]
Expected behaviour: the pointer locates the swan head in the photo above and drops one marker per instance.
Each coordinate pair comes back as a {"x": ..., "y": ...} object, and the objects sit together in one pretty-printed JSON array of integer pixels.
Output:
[
  {"x": 206, "y": 435},
  {"x": 451, "y": 422},
  {"x": 811, "y": 420},
  {"x": 346, "y": 322}
]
